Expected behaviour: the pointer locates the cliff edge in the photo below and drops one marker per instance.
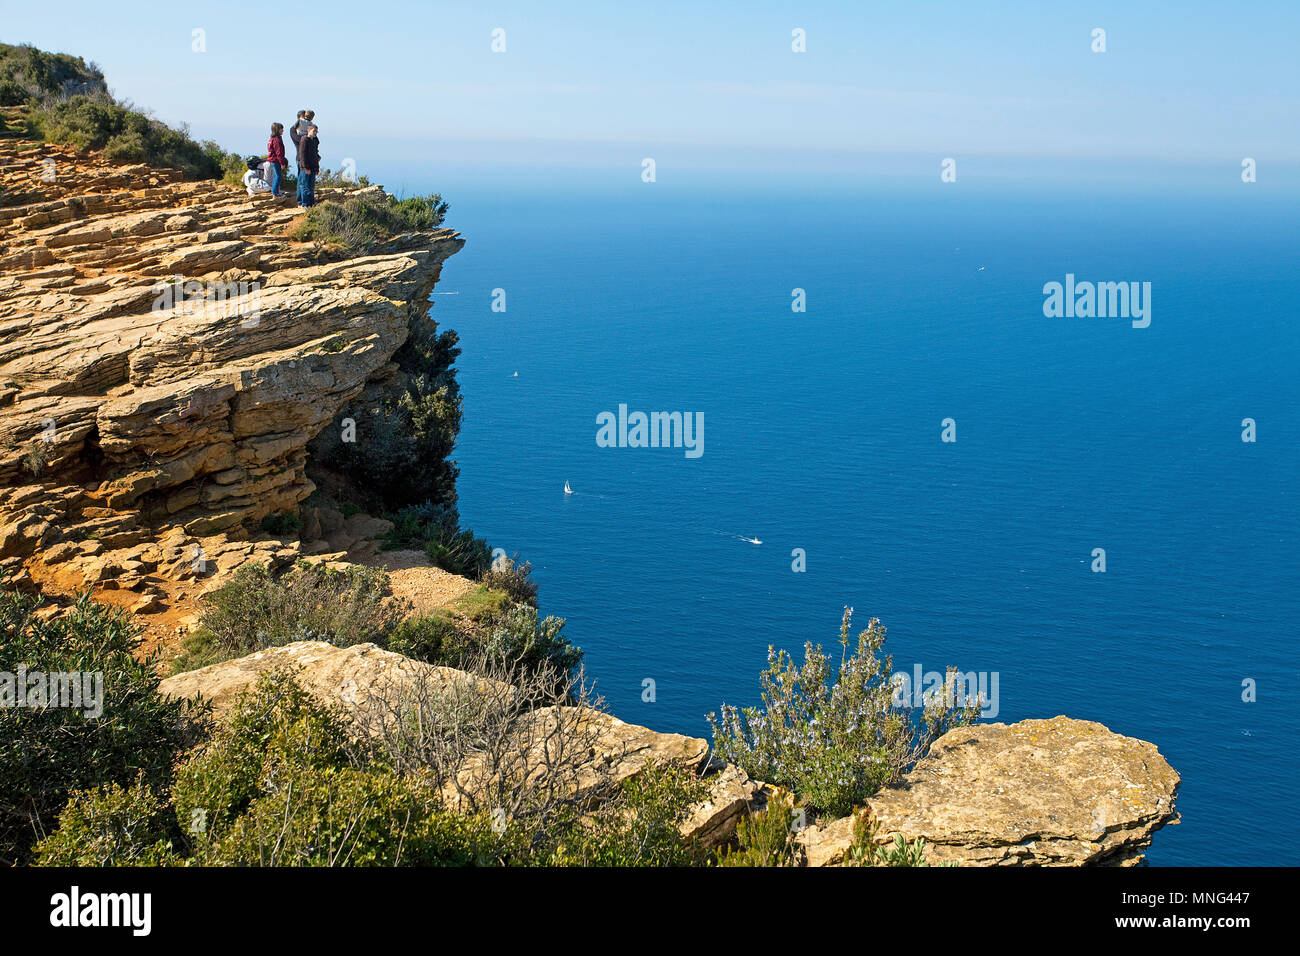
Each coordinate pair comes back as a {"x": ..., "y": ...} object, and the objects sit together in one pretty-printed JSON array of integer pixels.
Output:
[{"x": 166, "y": 356}]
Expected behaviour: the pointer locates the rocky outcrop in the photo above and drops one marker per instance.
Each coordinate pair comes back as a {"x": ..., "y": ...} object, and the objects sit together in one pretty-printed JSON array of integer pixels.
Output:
[
  {"x": 356, "y": 677},
  {"x": 1059, "y": 792},
  {"x": 336, "y": 675},
  {"x": 352, "y": 677},
  {"x": 167, "y": 355}
]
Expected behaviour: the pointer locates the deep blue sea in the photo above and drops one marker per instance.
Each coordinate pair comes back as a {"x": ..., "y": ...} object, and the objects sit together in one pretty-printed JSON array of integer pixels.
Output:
[{"x": 822, "y": 432}]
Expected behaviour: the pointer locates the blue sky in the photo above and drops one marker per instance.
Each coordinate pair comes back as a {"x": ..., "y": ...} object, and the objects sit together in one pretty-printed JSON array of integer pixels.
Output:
[{"x": 715, "y": 83}]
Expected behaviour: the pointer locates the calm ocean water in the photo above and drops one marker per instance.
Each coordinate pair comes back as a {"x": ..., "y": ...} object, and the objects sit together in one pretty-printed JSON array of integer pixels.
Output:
[{"x": 823, "y": 433}]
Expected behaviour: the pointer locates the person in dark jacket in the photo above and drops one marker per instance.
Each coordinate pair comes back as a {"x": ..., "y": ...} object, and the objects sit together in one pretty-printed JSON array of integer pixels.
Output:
[
  {"x": 298, "y": 132},
  {"x": 308, "y": 167},
  {"x": 275, "y": 155}
]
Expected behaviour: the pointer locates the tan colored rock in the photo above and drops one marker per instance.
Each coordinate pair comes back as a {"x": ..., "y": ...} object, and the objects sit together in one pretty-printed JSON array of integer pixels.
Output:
[
  {"x": 196, "y": 412},
  {"x": 826, "y": 843},
  {"x": 349, "y": 676},
  {"x": 328, "y": 672},
  {"x": 732, "y": 795},
  {"x": 1058, "y": 792}
]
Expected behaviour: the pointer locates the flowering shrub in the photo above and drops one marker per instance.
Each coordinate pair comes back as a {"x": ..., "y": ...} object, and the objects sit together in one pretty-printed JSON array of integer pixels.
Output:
[{"x": 834, "y": 742}]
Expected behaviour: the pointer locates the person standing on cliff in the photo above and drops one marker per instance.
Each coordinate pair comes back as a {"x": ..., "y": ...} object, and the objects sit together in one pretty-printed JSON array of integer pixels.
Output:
[
  {"x": 297, "y": 133},
  {"x": 308, "y": 167},
  {"x": 275, "y": 154}
]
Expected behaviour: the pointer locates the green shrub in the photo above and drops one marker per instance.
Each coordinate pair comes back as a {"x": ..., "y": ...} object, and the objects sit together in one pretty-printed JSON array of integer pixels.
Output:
[
  {"x": 434, "y": 529},
  {"x": 112, "y": 826},
  {"x": 765, "y": 838},
  {"x": 486, "y": 622},
  {"x": 233, "y": 166},
  {"x": 361, "y": 222},
  {"x": 12, "y": 93},
  {"x": 277, "y": 716},
  {"x": 126, "y": 135},
  {"x": 339, "y": 180},
  {"x": 641, "y": 827},
  {"x": 275, "y": 787},
  {"x": 459, "y": 552},
  {"x": 519, "y": 635},
  {"x": 512, "y": 577},
  {"x": 48, "y": 753},
  {"x": 407, "y": 433},
  {"x": 834, "y": 742},
  {"x": 311, "y": 602},
  {"x": 414, "y": 524},
  {"x": 434, "y": 639},
  {"x": 198, "y": 649},
  {"x": 281, "y": 523},
  {"x": 27, "y": 74},
  {"x": 864, "y": 851},
  {"x": 482, "y": 605}
]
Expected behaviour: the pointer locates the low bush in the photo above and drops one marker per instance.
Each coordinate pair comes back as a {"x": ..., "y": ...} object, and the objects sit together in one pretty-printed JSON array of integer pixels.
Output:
[
  {"x": 273, "y": 787},
  {"x": 310, "y": 602},
  {"x": 434, "y": 529},
  {"x": 434, "y": 639},
  {"x": 511, "y": 577},
  {"x": 414, "y": 524},
  {"x": 28, "y": 74},
  {"x": 48, "y": 751},
  {"x": 89, "y": 122},
  {"x": 359, "y": 223},
  {"x": 305, "y": 803},
  {"x": 519, "y": 635},
  {"x": 341, "y": 180},
  {"x": 640, "y": 827},
  {"x": 865, "y": 851},
  {"x": 834, "y": 739},
  {"x": 458, "y": 551},
  {"x": 765, "y": 838},
  {"x": 281, "y": 523},
  {"x": 113, "y": 826}
]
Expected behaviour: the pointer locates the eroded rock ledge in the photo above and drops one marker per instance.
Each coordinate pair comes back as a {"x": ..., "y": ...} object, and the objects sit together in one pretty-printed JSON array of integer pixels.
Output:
[
  {"x": 131, "y": 434},
  {"x": 1058, "y": 792}
]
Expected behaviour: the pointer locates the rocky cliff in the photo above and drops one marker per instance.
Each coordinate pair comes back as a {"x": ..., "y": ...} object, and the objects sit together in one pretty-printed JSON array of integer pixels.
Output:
[
  {"x": 166, "y": 357},
  {"x": 1057, "y": 792}
]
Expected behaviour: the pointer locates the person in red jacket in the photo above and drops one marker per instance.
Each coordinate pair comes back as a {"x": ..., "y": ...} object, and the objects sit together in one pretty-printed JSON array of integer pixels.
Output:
[{"x": 275, "y": 154}]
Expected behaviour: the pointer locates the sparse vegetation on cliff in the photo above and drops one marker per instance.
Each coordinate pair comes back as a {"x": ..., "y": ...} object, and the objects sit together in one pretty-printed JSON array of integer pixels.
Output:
[
  {"x": 125, "y": 134},
  {"x": 358, "y": 223},
  {"x": 311, "y": 602},
  {"x": 765, "y": 838},
  {"x": 28, "y": 74},
  {"x": 275, "y": 786},
  {"x": 410, "y": 430},
  {"x": 512, "y": 576},
  {"x": 67, "y": 101}
]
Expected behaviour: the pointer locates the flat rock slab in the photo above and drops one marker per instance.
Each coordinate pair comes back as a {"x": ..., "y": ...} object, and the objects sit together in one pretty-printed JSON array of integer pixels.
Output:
[{"x": 1058, "y": 792}]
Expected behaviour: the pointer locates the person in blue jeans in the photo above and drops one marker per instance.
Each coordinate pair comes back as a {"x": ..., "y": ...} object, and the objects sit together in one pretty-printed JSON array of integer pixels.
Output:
[
  {"x": 297, "y": 133},
  {"x": 308, "y": 167},
  {"x": 275, "y": 156}
]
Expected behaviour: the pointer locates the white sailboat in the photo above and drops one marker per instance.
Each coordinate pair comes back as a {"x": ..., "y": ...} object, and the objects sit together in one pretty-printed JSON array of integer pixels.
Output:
[{"x": 567, "y": 489}]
